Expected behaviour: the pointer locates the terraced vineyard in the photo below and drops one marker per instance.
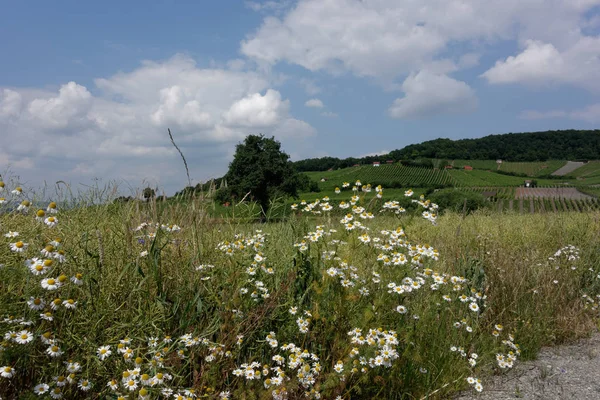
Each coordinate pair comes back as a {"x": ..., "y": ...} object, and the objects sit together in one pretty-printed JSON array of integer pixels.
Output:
[
  {"x": 593, "y": 190},
  {"x": 576, "y": 193},
  {"x": 528, "y": 168},
  {"x": 546, "y": 205},
  {"x": 588, "y": 171},
  {"x": 488, "y": 178},
  {"x": 477, "y": 164},
  {"x": 532, "y": 168},
  {"x": 389, "y": 176},
  {"x": 503, "y": 192}
]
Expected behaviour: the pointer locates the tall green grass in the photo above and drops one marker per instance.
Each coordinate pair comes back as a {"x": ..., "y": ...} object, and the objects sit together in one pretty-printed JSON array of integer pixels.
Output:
[{"x": 146, "y": 283}]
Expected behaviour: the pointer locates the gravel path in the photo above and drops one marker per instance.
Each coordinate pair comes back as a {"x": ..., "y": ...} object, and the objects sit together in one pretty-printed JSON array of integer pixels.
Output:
[
  {"x": 569, "y": 167},
  {"x": 563, "y": 372}
]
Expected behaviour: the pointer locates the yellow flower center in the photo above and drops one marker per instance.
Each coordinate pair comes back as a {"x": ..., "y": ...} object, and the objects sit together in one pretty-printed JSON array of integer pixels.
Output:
[
  {"x": 19, "y": 245},
  {"x": 40, "y": 213},
  {"x": 52, "y": 205},
  {"x": 159, "y": 376},
  {"x": 51, "y": 281},
  {"x": 26, "y": 203},
  {"x": 48, "y": 263},
  {"x": 126, "y": 374},
  {"x": 37, "y": 302},
  {"x": 24, "y": 336},
  {"x": 39, "y": 268},
  {"x": 143, "y": 392},
  {"x": 71, "y": 301},
  {"x": 78, "y": 276},
  {"x": 49, "y": 248},
  {"x": 56, "y": 302},
  {"x": 62, "y": 278},
  {"x": 145, "y": 377},
  {"x": 51, "y": 219},
  {"x": 54, "y": 349},
  {"x": 138, "y": 360}
]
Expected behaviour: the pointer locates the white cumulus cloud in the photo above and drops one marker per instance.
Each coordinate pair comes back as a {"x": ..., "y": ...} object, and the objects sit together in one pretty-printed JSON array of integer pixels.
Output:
[
  {"x": 390, "y": 38},
  {"x": 314, "y": 103},
  {"x": 589, "y": 114},
  {"x": 542, "y": 63},
  {"x": 256, "y": 110},
  {"x": 427, "y": 94},
  {"x": 121, "y": 132}
]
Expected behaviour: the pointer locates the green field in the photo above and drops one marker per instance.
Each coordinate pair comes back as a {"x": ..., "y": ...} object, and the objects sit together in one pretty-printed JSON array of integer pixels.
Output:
[{"x": 201, "y": 303}]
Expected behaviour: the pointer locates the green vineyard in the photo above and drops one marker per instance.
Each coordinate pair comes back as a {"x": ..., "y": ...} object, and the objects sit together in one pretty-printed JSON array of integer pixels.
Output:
[
  {"x": 538, "y": 168},
  {"x": 577, "y": 192},
  {"x": 588, "y": 174},
  {"x": 488, "y": 178},
  {"x": 532, "y": 168},
  {"x": 545, "y": 205},
  {"x": 389, "y": 176}
]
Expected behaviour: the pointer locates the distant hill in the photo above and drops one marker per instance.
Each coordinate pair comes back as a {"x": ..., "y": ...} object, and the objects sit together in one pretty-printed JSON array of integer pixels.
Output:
[{"x": 529, "y": 146}]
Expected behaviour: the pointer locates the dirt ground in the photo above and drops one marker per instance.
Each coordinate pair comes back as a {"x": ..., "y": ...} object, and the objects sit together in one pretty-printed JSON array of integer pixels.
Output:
[
  {"x": 563, "y": 372},
  {"x": 565, "y": 193}
]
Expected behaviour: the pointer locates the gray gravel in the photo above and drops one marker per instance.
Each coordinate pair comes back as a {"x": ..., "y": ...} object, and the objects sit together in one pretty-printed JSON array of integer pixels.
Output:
[
  {"x": 563, "y": 372},
  {"x": 569, "y": 167}
]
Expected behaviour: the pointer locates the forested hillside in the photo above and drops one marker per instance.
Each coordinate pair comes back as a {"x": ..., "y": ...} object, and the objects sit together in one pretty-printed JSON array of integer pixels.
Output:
[{"x": 530, "y": 146}]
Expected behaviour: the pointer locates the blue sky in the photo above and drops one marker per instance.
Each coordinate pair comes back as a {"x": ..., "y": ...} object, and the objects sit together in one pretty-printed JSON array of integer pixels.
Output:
[{"x": 88, "y": 89}]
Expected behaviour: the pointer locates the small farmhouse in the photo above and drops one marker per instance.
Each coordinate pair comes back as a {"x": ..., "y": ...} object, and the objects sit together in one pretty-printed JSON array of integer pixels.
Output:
[{"x": 376, "y": 163}]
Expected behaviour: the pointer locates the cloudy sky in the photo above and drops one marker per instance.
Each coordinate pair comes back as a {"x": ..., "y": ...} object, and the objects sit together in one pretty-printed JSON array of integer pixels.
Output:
[{"x": 88, "y": 89}]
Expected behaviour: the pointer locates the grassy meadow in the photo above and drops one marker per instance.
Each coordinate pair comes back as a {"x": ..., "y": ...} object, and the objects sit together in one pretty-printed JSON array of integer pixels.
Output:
[{"x": 140, "y": 300}]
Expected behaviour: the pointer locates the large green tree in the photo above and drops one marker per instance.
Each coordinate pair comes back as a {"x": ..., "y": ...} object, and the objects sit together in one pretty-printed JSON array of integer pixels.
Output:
[
  {"x": 148, "y": 193},
  {"x": 261, "y": 170}
]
